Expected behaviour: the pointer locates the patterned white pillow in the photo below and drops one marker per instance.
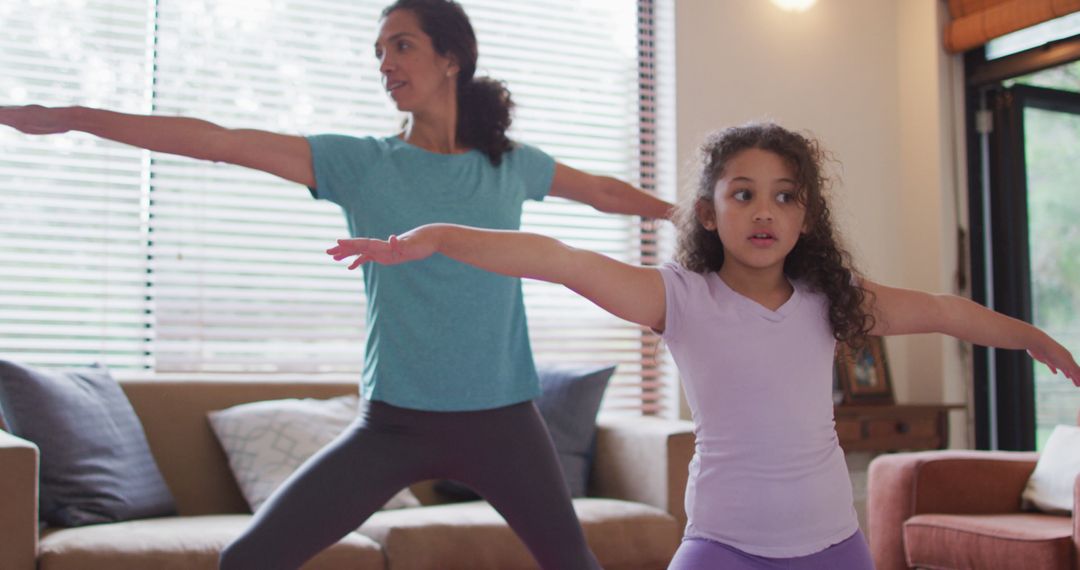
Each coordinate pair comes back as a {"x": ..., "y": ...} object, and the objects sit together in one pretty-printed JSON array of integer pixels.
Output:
[
  {"x": 1050, "y": 487},
  {"x": 267, "y": 441}
]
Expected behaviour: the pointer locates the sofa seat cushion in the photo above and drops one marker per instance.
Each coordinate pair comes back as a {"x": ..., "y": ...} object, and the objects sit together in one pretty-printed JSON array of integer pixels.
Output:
[
  {"x": 623, "y": 535},
  {"x": 177, "y": 543},
  {"x": 1005, "y": 541}
]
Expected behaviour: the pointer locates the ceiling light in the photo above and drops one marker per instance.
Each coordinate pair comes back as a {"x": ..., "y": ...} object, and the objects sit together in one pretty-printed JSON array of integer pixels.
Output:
[{"x": 794, "y": 5}]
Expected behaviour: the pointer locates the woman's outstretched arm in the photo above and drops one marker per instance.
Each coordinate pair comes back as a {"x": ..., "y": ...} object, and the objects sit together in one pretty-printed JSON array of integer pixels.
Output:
[
  {"x": 607, "y": 194},
  {"x": 286, "y": 156},
  {"x": 903, "y": 311},
  {"x": 627, "y": 291}
]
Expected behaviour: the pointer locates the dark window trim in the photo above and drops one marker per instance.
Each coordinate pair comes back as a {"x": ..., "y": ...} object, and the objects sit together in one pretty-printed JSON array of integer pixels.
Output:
[{"x": 980, "y": 72}]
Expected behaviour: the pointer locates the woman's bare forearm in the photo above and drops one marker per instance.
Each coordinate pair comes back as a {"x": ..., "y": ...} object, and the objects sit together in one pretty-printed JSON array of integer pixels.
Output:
[
  {"x": 174, "y": 135},
  {"x": 286, "y": 156},
  {"x": 624, "y": 198}
]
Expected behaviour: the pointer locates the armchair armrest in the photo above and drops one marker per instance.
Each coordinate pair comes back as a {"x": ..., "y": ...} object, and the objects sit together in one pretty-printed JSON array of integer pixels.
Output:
[
  {"x": 19, "y": 497},
  {"x": 644, "y": 459},
  {"x": 901, "y": 485},
  {"x": 1076, "y": 516}
]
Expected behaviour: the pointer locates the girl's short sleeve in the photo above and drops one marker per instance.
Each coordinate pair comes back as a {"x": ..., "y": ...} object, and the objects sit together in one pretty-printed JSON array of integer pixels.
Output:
[
  {"x": 677, "y": 288},
  {"x": 535, "y": 167},
  {"x": 339, "y": 163}
]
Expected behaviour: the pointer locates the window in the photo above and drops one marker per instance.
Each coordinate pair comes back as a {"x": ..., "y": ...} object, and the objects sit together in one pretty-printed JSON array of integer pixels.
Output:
[
  {"x": 159, "y": 265},
  {"x": 1034, "y": 36}
]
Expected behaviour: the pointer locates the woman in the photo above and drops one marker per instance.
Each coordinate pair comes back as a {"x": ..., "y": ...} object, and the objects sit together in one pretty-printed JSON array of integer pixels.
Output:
[{"x": 450, "y": 380}]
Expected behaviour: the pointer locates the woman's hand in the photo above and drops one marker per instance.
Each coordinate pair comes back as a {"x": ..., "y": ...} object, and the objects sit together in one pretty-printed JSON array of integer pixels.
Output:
[
  {"x": 1056, "y": 357},
  {"x": 411, "y": 246},
  {"x": 35, "y": 119}
]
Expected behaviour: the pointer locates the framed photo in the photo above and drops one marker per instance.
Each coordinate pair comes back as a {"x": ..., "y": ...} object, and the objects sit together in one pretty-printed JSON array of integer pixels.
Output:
[{"x": 863, "y": 375}]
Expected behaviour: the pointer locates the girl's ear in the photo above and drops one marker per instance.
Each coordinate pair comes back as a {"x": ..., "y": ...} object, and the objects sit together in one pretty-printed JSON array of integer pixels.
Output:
[{"x": 705, "y": 214}]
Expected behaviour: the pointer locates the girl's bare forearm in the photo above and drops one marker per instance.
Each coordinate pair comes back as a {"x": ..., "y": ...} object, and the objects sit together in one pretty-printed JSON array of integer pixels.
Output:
[
  {"x": 512, "y": 253},
  {"x": 972, "y": 322},
  {"x": 627, "y": 291}
]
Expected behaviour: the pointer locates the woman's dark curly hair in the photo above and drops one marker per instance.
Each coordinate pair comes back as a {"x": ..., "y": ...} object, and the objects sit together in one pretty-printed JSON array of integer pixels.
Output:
[
  {"x": 817, "y": 259},
  {"x": 484, "y": 104}
]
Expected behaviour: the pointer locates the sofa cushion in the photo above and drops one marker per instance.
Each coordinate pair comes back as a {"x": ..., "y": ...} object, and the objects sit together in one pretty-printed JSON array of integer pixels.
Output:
[
  {"x": 623, "y": 535},
  {"x": 989, "y": 542},
  {"x": 178, "y": 543},
  {"x": 1050, "y": 487},
  {"x": 95, "y": 463},
  {"x": 569, "y": 400},
  {"x": 267, "y": 441}
]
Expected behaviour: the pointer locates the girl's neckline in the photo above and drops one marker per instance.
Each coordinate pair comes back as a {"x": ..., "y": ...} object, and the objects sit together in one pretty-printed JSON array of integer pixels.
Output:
[
  {"x": 753, "y": 306},
  {"x": 398, "y": 139}
]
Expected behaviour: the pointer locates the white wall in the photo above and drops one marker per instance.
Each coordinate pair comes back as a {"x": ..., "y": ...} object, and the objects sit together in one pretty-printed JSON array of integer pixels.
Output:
[{"x": 868, "y": 78}]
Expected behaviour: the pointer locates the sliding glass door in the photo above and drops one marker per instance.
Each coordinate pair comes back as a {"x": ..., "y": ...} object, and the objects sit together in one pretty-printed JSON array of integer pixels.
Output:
[
  {"x": 1052, "y": 157},
  {"x": 1031, "y": 247}
]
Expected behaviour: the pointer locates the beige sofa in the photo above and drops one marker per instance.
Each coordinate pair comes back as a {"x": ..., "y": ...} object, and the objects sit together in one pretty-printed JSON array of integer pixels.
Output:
[{"x": 633, "y": 517}]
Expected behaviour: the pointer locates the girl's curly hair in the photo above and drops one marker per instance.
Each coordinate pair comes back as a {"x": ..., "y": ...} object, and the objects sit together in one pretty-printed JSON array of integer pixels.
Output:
[{"x": 817, "y": 259}]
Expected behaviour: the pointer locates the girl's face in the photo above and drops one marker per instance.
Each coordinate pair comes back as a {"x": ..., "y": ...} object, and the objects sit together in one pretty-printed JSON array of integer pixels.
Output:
[
  {"x": 416, "y": 77},
  {"x": 755, "y": 212}
]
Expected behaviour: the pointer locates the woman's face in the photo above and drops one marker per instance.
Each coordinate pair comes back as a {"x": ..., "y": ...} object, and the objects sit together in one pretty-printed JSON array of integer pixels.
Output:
[{"x": 416, "y": 77}]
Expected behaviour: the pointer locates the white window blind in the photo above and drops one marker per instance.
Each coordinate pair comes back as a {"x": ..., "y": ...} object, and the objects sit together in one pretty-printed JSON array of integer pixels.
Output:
[
  {"x": 72, "y": 231},
  {"x": 158, "y": 263},
  {"x": 240, "y": 282}
]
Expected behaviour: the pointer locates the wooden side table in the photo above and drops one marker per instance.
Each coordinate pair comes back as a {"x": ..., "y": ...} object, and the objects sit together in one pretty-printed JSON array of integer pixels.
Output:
[{"x": 898, "y": 427}]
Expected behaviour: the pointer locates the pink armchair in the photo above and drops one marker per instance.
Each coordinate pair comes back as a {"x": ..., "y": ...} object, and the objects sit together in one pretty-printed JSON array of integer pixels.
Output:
[{"x": 961, "y": 509}]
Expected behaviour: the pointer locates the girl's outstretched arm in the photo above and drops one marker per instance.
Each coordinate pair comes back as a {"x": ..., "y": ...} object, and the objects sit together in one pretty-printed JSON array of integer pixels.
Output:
[
  {"x": 903, "y": 311},
  {"x": 286, "y": 156},
  {"x": 627, "y": 291}
]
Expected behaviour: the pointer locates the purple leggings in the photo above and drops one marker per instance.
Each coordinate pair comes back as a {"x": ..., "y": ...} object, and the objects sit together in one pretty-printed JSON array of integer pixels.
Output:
[
  {"x": 703, "y": 554},
  {"x": 505, "y": 454}
]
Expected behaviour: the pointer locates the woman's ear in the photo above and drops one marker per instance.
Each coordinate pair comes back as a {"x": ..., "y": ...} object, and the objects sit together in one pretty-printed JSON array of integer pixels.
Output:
[
  {"x": 705, "y": 214},
  {"x": 452, "y": 67}
]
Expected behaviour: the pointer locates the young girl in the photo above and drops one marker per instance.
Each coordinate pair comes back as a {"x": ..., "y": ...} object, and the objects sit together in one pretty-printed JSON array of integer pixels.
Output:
[
  {"x": 451, "y": 382},
  {"x": 752, "y": 313}
]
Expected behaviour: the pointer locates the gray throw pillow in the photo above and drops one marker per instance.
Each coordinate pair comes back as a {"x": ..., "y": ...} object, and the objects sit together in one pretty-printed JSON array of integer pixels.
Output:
[
  {"x": 95, "y": 463},
  {"x": 569, "y": 401}
]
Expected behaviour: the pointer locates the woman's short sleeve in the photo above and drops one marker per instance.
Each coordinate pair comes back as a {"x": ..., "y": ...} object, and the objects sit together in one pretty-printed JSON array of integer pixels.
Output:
[
  {"x": 535, "y": 167},
  {"x": 339, "y": 163}
]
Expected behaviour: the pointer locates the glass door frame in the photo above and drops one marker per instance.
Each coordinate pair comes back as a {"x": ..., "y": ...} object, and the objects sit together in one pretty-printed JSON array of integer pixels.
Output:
[{"x": 1004, "y": 384}]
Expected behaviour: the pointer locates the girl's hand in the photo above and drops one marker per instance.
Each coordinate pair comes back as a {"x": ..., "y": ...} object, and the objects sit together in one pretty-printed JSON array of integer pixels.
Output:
[
  {"x": 411, "y": 246},
  {"x": 34, "y": 119},
  {"x": 1057, "y": 357}
]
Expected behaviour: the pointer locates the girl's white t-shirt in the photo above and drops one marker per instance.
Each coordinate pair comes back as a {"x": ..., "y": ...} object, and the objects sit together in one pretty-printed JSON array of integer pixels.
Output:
[{"x": 768, "y": 476}]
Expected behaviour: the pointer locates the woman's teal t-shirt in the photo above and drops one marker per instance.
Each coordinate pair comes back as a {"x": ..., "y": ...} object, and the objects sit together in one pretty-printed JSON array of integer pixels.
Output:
[{"x": 442, "y": 335}]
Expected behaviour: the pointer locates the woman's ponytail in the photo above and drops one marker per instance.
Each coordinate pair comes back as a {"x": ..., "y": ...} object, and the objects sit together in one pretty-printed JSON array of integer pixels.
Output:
[{"x": 484, "y": 107}]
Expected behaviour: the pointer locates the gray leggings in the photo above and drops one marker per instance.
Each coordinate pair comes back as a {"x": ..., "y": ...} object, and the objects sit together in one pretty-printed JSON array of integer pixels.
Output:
[{"x": 505, "y": 454}]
